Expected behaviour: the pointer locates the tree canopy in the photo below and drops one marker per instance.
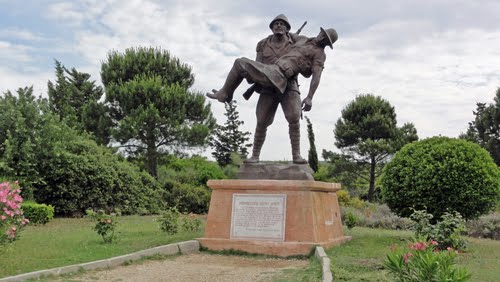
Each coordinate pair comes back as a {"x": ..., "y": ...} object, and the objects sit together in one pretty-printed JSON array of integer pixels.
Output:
[
  {"x": 76, "y": 100},
  {"x": 367, "y": 134},
  {"x": 151, "y": 105},
  {"x": 485, "y": 128}
]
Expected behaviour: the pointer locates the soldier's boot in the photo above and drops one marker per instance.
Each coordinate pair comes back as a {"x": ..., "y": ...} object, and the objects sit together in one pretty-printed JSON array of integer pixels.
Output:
[
  {"x": 294, "y": 132},
  {"x": 233, "y": 80},
  {"x": 258, "y": 141}
]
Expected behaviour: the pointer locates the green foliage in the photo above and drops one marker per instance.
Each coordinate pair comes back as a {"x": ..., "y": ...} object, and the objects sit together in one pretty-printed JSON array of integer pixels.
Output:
[
  {"x": 373, "y": 215},
  {"x": 20, "y": 126},
  {"x": 38, "y": 213},
  {"x": 190, "y": 223},
  {"x": 440, "y": 174},
  {"x": 487, "y": 226},
  {"x": 446, "y": 231},
  {"x": 169, "y": 221},
  {"x": 484, "y": 129},
  {"x": 79, "y": 174},
  {"x": 421, "y": 261},
  {"x": 228, "y": 139},
  {"x": 343, "y": 197},
  {"x": 368, "y": 135},
  {"x": 312, "y": 155},
  {"x": 154, "y": 111},
  {"x": 105, "y": 224},
  {"x": 75, "y": 100},
  {"x": 350, "y": 220},
  {"x": 184, "y": 181}
]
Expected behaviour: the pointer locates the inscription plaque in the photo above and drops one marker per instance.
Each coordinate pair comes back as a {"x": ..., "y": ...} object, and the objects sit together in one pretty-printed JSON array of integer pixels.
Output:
[{"x": 258, "y": 217}]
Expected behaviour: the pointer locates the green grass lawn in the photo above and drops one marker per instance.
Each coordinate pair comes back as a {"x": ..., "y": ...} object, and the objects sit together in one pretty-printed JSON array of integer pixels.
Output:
[{"x": 66, "y": 241}]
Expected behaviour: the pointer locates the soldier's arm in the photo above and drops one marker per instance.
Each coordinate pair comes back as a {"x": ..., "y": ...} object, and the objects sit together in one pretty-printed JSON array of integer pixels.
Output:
[
  {"x": 315, "y": 79},
  {"x": 316, "y": 70}
]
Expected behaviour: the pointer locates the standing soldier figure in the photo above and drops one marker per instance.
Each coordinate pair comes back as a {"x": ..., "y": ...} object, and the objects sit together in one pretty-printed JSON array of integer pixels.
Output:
[{"x": 268, "y": 51}]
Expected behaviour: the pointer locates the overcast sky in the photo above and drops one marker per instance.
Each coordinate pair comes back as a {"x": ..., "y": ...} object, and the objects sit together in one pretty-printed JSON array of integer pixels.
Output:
[{"x": 432, "y": 60}]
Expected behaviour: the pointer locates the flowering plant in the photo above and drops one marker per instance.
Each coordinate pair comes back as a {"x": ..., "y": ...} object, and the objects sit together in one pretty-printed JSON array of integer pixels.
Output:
[
  {"x": 424, "y": 261},
  {"x": 12, "y": 220},
  {"x": 105, "y": 224}
]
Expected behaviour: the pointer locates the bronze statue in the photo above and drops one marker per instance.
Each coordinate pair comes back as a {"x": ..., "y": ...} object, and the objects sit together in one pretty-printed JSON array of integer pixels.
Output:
[{"x": 280, "y": 58}]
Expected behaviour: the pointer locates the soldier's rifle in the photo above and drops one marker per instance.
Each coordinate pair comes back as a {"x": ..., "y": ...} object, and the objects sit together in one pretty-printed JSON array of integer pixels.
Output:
[{"x": 249, "y": 92}]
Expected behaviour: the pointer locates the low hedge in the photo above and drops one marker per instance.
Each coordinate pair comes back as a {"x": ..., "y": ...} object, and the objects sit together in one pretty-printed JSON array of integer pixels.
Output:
[{"x": 38, "y": 213}]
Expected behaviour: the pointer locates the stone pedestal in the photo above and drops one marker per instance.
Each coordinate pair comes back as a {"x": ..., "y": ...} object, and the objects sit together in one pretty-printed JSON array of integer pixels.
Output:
[{"x": 274, "y": 217}]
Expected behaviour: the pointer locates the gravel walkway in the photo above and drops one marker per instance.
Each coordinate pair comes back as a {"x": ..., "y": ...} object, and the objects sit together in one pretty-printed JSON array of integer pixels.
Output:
[{"x": 196, "y": 267}]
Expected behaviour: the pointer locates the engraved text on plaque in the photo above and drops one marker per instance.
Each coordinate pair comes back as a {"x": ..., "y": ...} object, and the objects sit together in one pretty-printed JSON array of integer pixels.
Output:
[{"x": 258, "y": 216}]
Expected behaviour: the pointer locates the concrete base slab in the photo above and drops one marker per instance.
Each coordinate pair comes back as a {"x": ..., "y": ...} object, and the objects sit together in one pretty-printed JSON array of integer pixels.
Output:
[{"x": 281, "y": 249}]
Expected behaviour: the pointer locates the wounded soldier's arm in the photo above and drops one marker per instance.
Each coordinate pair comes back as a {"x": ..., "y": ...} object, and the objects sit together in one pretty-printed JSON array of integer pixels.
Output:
[{"x": 316, "y": 77}]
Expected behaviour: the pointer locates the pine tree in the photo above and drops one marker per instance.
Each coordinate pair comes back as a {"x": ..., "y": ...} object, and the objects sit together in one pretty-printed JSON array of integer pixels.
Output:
[
  {"x": 151, "y": 104},
  {"x": 368, "y": 135},
  {"x": 228, "y": 139}
]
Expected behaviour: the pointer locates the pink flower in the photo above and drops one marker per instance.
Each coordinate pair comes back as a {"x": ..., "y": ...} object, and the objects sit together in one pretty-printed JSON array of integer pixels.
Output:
[
  {"x": 12, "y": 232},
  {"x": 17, "y": 182},
  {"x": 406, "y": 257},
  {"x": 434, "y": 243},
  {"x": 419, "y": 246},
  {"x": 108, "y": 221},
  {"x": 4, "y": 217}
]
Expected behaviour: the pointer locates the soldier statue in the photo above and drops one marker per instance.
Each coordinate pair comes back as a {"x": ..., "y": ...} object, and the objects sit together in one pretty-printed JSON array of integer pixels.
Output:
[{"x": 280, "y": 58}]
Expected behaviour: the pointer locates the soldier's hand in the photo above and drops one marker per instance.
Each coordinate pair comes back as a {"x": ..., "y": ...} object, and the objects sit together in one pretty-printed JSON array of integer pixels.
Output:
[{"x": 307, "y": 104}]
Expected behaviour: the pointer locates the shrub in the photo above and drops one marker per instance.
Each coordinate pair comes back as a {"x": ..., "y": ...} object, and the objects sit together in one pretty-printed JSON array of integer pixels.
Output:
[
  {"x": 440, "y": 174},
  {"x": 38, "y": 213},
  {"x": 184, "y": 182},
  {"x": 12, "y": 220},
  {"x": 344, "y": 198},
  {"x": 169, "y": 221},
  {"x": 188, "y": 198},
  {"x": 446, "y": 231},
  {"x": 377, "y": 216},
  {"x": 487, "y": 226},
  {"x": 79, "y": 174},
  {"x": 105, "y": 224},
  {"x": 190, "y": 223},
  {"x": 350, "y": 220},
  {"x": 421, "y": 261}
]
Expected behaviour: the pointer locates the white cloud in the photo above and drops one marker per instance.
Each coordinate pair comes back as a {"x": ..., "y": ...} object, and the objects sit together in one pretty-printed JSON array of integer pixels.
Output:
[
  {"x": 14, "y": 52},
  {"x": 18, "y": 33}
]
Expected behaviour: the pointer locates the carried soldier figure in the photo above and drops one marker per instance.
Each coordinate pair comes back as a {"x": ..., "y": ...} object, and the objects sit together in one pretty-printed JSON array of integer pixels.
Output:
[{"x": 280, "y": 58}]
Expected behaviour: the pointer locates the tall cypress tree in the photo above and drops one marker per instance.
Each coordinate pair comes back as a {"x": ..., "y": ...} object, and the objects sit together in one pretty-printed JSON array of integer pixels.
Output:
[{"x": 313, "y": 155}]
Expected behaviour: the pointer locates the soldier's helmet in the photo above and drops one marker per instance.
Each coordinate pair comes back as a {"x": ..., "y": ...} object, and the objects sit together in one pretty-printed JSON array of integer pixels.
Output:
[
  {"x": 331, "y": 34},
  {"x": 283, "y": 18}
]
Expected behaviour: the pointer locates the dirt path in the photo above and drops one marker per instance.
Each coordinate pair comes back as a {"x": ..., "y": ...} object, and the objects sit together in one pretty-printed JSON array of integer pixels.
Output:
[{"x": 196, "y": 267}]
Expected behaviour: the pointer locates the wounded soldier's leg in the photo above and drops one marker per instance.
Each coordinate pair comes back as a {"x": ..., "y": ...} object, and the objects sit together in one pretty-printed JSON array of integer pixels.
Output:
[{"x": 233, "y": 80}]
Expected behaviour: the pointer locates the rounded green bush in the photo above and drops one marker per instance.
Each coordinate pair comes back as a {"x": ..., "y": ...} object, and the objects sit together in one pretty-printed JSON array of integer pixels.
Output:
[
  {"x": 37, "y": 213},
  {"x": 439, "y": 174}
]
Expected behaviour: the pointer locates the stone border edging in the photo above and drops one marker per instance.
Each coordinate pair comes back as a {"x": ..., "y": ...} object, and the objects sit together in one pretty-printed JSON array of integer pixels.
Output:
[
  {"x": 185, "y": 247},
  {"x": 324, "y": 260}
]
